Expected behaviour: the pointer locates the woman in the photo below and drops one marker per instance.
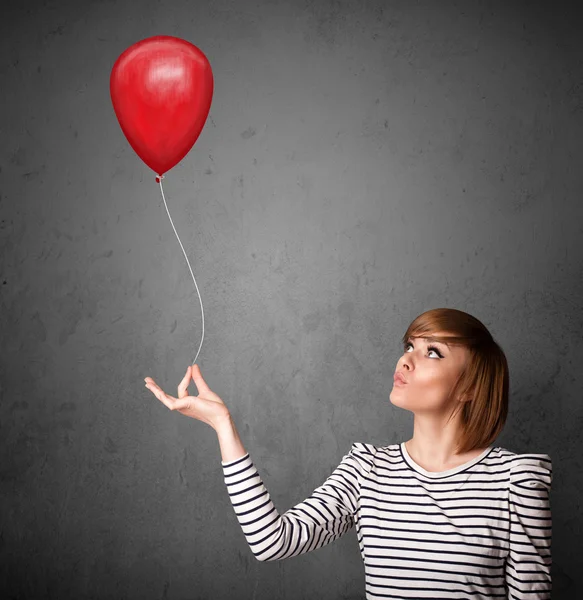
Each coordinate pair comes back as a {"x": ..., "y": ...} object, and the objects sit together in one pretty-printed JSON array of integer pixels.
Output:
[{"x": 445, "y": 514}]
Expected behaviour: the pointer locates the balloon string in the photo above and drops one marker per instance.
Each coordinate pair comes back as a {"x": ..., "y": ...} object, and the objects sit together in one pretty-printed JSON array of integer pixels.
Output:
[{"x": 159, "y": 180}]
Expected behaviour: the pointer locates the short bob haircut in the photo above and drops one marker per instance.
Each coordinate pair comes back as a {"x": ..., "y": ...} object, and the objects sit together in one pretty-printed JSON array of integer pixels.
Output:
[{"x": 485, "y": 380}]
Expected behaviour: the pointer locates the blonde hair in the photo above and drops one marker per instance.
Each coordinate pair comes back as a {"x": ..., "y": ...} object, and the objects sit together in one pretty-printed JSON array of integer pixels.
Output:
[{"x": 485, "y": 379}]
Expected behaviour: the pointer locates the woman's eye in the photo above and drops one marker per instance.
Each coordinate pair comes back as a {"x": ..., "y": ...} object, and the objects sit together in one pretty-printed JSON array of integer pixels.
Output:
[{"x": 428, "y": 350}]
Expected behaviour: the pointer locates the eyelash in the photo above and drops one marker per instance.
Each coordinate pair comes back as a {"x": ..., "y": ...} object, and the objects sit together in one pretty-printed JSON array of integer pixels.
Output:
[{"x": 429, "y": 348}]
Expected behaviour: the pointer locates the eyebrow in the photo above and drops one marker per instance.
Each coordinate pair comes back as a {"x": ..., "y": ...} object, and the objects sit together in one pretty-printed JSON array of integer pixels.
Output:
[{"x": 427, "y": 340}]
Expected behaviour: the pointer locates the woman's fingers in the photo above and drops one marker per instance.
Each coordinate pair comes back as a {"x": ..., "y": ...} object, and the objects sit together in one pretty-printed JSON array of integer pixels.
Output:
[
  {"x": 183, "y": 385},
  {"x": 169, "y": 401},
  {"x": 184, "y": 402}
]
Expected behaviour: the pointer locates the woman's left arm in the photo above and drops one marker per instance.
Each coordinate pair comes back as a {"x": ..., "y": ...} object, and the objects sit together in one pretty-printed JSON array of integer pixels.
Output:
[{"x": 528, "y": 565}]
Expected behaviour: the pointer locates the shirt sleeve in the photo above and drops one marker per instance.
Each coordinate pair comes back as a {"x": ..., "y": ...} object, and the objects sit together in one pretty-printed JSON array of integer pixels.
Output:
[
  {"x": 528, "y": 564},
  {"x": 315, "y": 522}
]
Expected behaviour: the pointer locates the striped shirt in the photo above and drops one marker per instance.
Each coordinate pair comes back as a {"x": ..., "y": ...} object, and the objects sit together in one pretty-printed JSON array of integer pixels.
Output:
[{"x": 480, "y": 530}]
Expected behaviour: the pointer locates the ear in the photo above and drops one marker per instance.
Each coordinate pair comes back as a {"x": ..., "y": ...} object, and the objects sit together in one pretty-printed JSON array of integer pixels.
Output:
[{"x": 466, "y": 397}]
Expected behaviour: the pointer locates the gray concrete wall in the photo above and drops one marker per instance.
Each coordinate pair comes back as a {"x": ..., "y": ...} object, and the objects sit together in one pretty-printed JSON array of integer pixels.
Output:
[{"x": 362, "y": 162}]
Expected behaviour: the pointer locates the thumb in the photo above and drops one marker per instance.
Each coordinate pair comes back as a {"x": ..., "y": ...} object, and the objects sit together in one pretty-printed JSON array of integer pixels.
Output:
[{"x": 200, "y": 383}]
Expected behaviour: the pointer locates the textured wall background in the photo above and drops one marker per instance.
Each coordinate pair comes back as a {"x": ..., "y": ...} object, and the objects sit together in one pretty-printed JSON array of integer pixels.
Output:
[{"x": 363, "y": 162}]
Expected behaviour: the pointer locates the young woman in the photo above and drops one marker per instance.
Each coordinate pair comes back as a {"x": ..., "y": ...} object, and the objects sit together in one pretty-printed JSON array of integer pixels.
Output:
[{"x": 445, "y": 514}]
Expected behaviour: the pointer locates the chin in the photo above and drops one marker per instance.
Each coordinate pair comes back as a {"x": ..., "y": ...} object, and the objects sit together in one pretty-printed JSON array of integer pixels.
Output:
[
  {"x": 398, "y": 398},
  {"x": 395, "y": 399}
]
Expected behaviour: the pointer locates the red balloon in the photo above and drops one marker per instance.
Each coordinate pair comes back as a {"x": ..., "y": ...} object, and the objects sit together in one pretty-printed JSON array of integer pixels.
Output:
[{"x": 161, "y": 89}]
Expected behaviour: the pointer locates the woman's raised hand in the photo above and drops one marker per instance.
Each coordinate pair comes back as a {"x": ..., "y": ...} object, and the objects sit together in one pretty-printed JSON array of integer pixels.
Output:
[{"x": 206, "y": 407}]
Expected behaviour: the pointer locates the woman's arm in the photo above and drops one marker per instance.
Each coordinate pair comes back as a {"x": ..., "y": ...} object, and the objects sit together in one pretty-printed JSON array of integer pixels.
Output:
[
  {"x": 528, "y": 565},
  {"x": 320, "y": 519},
  {"x": 229, "y": 440},
  {"x": 323, "y": 517}
]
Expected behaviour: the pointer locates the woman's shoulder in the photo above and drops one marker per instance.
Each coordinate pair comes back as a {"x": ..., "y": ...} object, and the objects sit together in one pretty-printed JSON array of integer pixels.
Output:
[
  {"x": 528, "y": 467},
  {"x": 374, "y": 453},
  {"x": 363, "y": 448},
  {"x": 366, "y": 449},
  {"x": 361, "y": 455}
]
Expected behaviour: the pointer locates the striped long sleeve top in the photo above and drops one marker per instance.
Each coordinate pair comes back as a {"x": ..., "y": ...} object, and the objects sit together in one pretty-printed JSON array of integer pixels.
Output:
[{"x": 480, "y": 530}]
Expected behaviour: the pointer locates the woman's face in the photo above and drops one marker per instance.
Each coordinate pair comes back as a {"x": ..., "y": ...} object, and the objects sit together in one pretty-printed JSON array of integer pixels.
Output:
[{"x": 430, "y": 370}]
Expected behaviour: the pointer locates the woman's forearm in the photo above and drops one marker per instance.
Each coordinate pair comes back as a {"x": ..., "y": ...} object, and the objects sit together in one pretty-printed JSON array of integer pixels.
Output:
[{"x": 229, "y": 440}]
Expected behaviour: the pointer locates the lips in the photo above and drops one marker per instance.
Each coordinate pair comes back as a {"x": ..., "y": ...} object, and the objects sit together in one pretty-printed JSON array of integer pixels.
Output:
[{"x": 398, "y": 376}]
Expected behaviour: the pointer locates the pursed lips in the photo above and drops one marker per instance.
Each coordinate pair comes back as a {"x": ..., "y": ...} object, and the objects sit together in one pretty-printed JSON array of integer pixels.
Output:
[{"x": 399, "y": 377}]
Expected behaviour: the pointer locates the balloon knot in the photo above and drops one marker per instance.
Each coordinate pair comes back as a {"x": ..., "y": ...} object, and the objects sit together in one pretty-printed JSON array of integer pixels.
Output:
[{"x": 159, "y": 178}]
